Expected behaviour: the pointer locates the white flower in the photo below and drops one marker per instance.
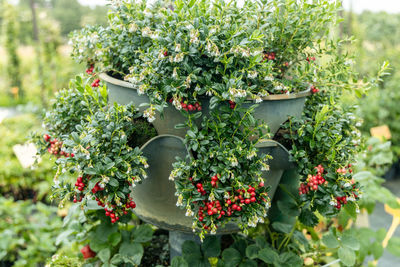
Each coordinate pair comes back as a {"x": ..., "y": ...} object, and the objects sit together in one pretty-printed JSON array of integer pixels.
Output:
[
  {"x": 197, "y": 88},
  {"x": 252, "y": 74},
  {"x": 178, "y": 48},
  {"x": 258, "y": 99},
  {"x": 194, "y": 36},
  {"x": 347, "y": 185},
  {"x": 132, "y": 27},
  {"x": 141, "y": 89},
  {"x": 349, "y": 62},
  {"x": 150, "y": 114},
  {"x": 180, "y": 200},
  {"x": 146, "y": 32},
  {"x": 178, "y": 58},
  {"x": 211, "y": 197},
  {"x": 174, "y": 73},
  {"x": 177, "y": 104},
  {"x": 251, "y": 154},
  {"x": 189, "y": 211},
  {"x": 237, "y": 93},
  {"x": 333, "y": 202}
]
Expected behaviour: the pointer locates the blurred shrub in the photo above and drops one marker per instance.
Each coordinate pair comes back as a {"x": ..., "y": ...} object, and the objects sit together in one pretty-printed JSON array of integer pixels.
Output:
[
  {"x": 15, "y": 180},
  {"x": 27, "y": 232}
]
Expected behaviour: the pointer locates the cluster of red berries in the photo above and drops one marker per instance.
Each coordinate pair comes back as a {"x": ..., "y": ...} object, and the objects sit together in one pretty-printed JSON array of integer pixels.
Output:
[
  {"x": 55, "y": 147},
  {"x": 232, "y": 204},
  {"x": 190, "y": 107},
  {"x": 90, "y": 70},
  {"x": 341, "y": 201},
  {"x": 96, "y": 83},
  {"x": 269, "y": 56},
  {"x": 76, "y": 199},
  {"x": 232, "y": 104},
  {"x": 313, "y": 181},
  {"x": 309, "y": 59},
  {"x": 200, "y": 189},
  {"x": 130, "y": 204},
  {"x": 345, "y": 169},
  {"x": 97, "y": 188},
  {"x": 314, "y": 90},
  {"x": 211, "y": 208},
  {"x": 80, "y": 184},
  {"x": 113, "y": 216}
]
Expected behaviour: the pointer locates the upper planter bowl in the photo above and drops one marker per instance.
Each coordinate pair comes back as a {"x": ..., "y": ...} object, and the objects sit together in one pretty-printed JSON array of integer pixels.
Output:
[{"x": 274, "y": 110}]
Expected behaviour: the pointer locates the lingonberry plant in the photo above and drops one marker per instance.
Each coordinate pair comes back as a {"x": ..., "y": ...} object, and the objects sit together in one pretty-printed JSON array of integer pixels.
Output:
[
  {"x": 178, "y": 53},
  {"x": 222, "y": 180},
  {"x": 100, "y": 146}
]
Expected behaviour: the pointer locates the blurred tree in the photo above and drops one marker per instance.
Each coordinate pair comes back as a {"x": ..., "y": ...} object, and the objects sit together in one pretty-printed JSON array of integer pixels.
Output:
[
  {"x": 69, "y": 13},
  {"x": 11, "y": 42}
]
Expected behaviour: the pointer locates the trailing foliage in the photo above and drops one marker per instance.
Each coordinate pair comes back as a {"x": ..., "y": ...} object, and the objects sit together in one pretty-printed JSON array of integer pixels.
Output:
[
  {"x": 97, "y": 143},
  {"x": 223, "y": 180}
]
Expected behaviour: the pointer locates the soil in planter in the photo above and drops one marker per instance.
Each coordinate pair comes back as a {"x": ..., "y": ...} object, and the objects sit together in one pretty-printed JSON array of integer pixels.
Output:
[
  {"x": 157, "y": 253},
  {"x": 142, "y": 133}
]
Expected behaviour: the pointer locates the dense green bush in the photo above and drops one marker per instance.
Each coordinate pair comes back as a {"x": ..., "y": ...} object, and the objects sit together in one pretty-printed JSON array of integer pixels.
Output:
[{"x": 27, "y": 232}]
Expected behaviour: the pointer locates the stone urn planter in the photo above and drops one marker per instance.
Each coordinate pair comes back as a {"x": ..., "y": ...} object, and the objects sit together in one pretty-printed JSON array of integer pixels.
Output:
[
  {"x": 274, "y": 110},
  {"x": 155, "y": 196}
]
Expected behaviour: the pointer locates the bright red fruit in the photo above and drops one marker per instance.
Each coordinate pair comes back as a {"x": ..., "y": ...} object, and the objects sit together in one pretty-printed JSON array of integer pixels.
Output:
[{"x": 87, "y": 252}]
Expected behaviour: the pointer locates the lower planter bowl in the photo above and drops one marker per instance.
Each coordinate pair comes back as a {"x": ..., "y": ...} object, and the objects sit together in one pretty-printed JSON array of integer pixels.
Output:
[
  {"x": 155, "y": 196},
  {"x": 274, "y": 110}
]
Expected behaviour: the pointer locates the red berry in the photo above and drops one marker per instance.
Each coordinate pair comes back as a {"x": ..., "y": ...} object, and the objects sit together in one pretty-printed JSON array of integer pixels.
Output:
[
  {"x": 165, "y": 53},
  {"x": 87, "y": 252},
  {"x": 199, "y": 185},
  {"x": 261, "y": 184},
  {"x": 253, "y": 199},
  {"x": 210, "y": 212},
  {"x": 190, "y": 107},
  {"x": 72, "y": 155},
  {"x": 112, "y": 215},
  {"x": 46, "y": 137},
  {"x": 239, "y": 208},
  {"x": 234, "y": 206},
  {"x": 107, "y": 213},
  {"x": 247, "y": 201},
  {"x": 213, "y": 183},
  {"x": 228, "y": 202}
]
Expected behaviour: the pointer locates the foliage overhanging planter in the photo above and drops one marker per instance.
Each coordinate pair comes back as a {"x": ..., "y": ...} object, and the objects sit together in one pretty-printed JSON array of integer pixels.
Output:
[
  {"x": 155, "y": 196},
  {"x": 274, "y": 110}
]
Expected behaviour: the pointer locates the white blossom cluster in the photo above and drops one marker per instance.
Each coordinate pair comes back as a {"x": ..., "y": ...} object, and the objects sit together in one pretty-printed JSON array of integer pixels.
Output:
[{"x": 150, "y": 114}]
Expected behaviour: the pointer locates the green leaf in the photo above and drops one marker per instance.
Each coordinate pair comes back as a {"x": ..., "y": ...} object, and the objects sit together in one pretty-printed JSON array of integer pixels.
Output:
[
  {"x": 330, "y": 240},
  {"x": 351, "y": 209},
  {"x": 282, "y": 227},
  {"x": 104, "y": 254},
  {"x": 179, "y": 261},
  {"x": 248, "y": 263},
  {"x": 114, "y": 238},
  {"x": 290, "y": 259},
  {"x": 116, "y": 259},
  {"x": 190, "y": 248},
  {"x": 377, "y": 250},
  {"x": 394, "y": 246},
  {"x": 75, "y": 137},
  {"x": 347, "y": 256},
  {"x": 133, "y": 251},
  {"x": 142, "y": 233},
  {"x": 252, "y": 251},
  {"x": 231, "y": 257},
  {"x": 268, "y": 255},
  {"x": 350, "y": 240},
  {"x": 211, "y": 247},
  {"x": 113, "y": 182},
  {"x": 308, "y": 218}
]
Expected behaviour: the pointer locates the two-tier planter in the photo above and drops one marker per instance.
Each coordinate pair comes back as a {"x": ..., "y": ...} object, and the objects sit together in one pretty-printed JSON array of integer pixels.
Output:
[{"x": 155, "y": 196}]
